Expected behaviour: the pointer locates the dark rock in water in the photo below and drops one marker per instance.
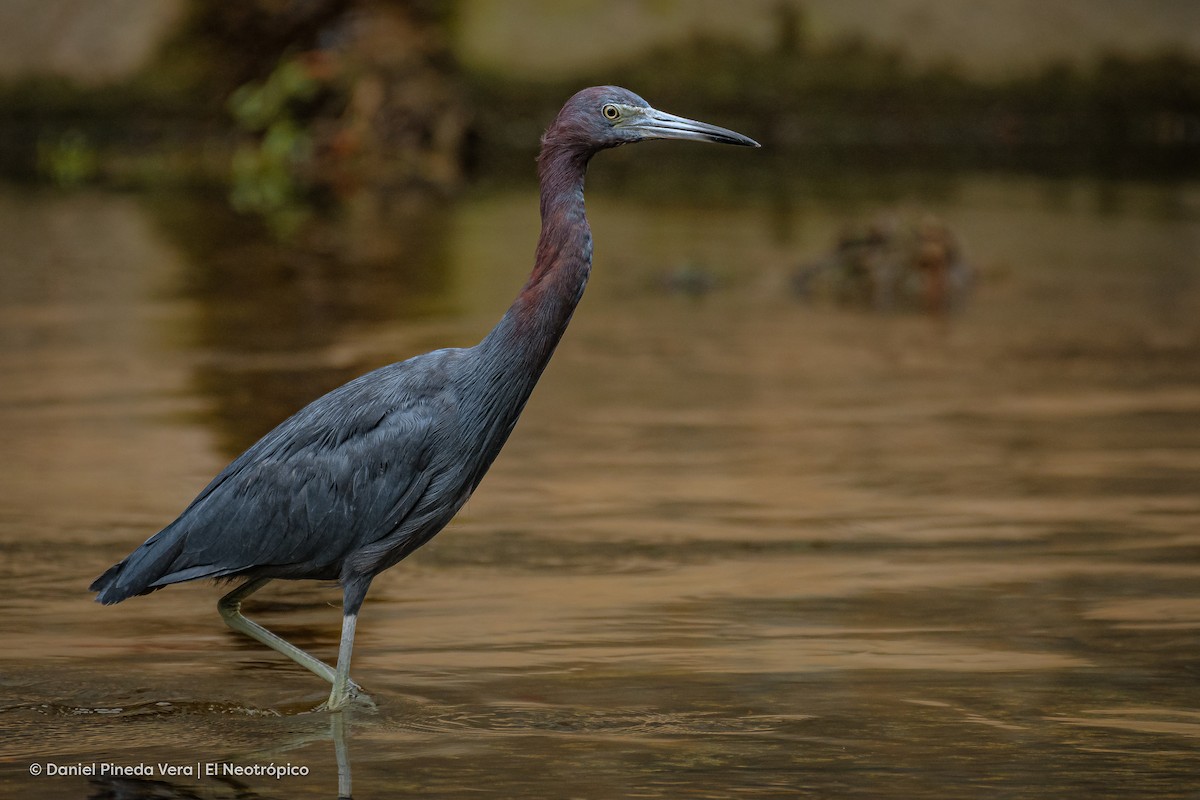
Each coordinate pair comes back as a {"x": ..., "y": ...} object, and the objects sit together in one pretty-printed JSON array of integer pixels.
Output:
[{"x": 891, "y": 264}]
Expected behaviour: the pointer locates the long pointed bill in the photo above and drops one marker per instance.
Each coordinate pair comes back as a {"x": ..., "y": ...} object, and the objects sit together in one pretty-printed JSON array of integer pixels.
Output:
[{"x": 655, "y": 124}]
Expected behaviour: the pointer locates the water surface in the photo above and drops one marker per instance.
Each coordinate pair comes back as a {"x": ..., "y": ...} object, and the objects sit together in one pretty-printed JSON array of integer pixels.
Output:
[{"x": 740, "y": 545}]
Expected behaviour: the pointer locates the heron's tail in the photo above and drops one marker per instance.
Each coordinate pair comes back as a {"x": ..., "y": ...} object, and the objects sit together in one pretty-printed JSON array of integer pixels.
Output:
[{"x": 140, "y": 570}]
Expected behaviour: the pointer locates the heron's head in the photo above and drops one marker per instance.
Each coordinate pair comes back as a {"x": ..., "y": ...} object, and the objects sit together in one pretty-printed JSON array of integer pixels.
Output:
[{"x": 608, "y": 116}]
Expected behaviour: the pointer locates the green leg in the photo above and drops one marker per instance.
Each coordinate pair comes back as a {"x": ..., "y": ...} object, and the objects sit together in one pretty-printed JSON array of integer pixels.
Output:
[
  {"x": 343, "y": 688},
  {"x": 230, "y": 607}
]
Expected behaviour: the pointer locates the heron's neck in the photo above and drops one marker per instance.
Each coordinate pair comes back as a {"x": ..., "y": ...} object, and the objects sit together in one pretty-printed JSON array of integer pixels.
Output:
[{"x": 535, "y": 322}]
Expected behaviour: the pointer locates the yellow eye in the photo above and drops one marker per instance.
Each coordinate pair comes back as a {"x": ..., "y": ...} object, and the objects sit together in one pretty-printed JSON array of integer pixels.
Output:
[{"x": 610, "y": 111}]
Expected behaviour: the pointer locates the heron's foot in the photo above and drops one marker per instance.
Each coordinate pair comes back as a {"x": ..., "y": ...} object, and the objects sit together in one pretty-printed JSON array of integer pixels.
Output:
[
  {"x": 359, "y": 700},
  {"x": 353, "y": 694}
]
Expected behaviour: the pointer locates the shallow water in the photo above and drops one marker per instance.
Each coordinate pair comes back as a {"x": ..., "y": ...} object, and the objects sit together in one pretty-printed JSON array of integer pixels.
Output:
[{"x": 740, "y": 545}]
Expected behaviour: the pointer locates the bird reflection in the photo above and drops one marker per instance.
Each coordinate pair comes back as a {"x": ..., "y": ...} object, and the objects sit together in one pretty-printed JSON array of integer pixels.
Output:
[
  {"x": 341, "y": 749},
  {"x": 222, "y": 787}
]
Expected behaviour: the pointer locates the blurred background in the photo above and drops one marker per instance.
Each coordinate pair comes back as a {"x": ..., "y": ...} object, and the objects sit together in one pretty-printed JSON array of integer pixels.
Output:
[{"x": 870, "y": 464}]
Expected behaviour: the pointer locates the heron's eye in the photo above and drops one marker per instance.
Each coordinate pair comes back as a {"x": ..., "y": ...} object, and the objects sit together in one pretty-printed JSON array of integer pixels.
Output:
[{"x": 610, "y": 112}]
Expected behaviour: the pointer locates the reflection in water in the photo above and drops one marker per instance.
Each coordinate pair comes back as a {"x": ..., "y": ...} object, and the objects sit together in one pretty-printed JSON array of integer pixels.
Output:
[
  {"x": 738, "y": 546},
  {"x": 271, "y": 317},
  {"x": 216, "y": 780},
  {"x": 338, "y": 723}
]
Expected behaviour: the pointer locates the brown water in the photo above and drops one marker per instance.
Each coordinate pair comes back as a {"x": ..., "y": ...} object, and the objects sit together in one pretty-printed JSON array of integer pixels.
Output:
[{"x": 739, "y": 546}]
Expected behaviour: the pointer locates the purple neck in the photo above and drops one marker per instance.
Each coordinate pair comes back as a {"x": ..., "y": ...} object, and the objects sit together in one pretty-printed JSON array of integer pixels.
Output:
[{"x": 527, "y": 335}]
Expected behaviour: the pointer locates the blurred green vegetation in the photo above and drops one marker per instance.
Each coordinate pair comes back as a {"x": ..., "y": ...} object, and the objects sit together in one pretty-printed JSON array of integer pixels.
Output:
[
  {"x": 68, "y": 159},
  {"x": 236, "y": 94},
  {"x": 267, "y": 168}
]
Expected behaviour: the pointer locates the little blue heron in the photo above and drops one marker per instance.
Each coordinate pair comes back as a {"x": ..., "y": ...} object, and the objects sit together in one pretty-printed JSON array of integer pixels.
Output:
[{"x": 360, "y": 478}]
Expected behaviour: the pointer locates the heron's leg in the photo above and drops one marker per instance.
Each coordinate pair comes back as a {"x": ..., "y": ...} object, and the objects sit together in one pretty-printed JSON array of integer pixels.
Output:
[
  {"x": 341, "y": 692},
  {"x": 343, "y": 687},
  {"x": 230, "y": 607}
]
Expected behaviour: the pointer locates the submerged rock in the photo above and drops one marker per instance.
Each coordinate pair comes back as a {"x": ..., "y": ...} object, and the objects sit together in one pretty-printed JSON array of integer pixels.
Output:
[{"x": 891, "y": 264}]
